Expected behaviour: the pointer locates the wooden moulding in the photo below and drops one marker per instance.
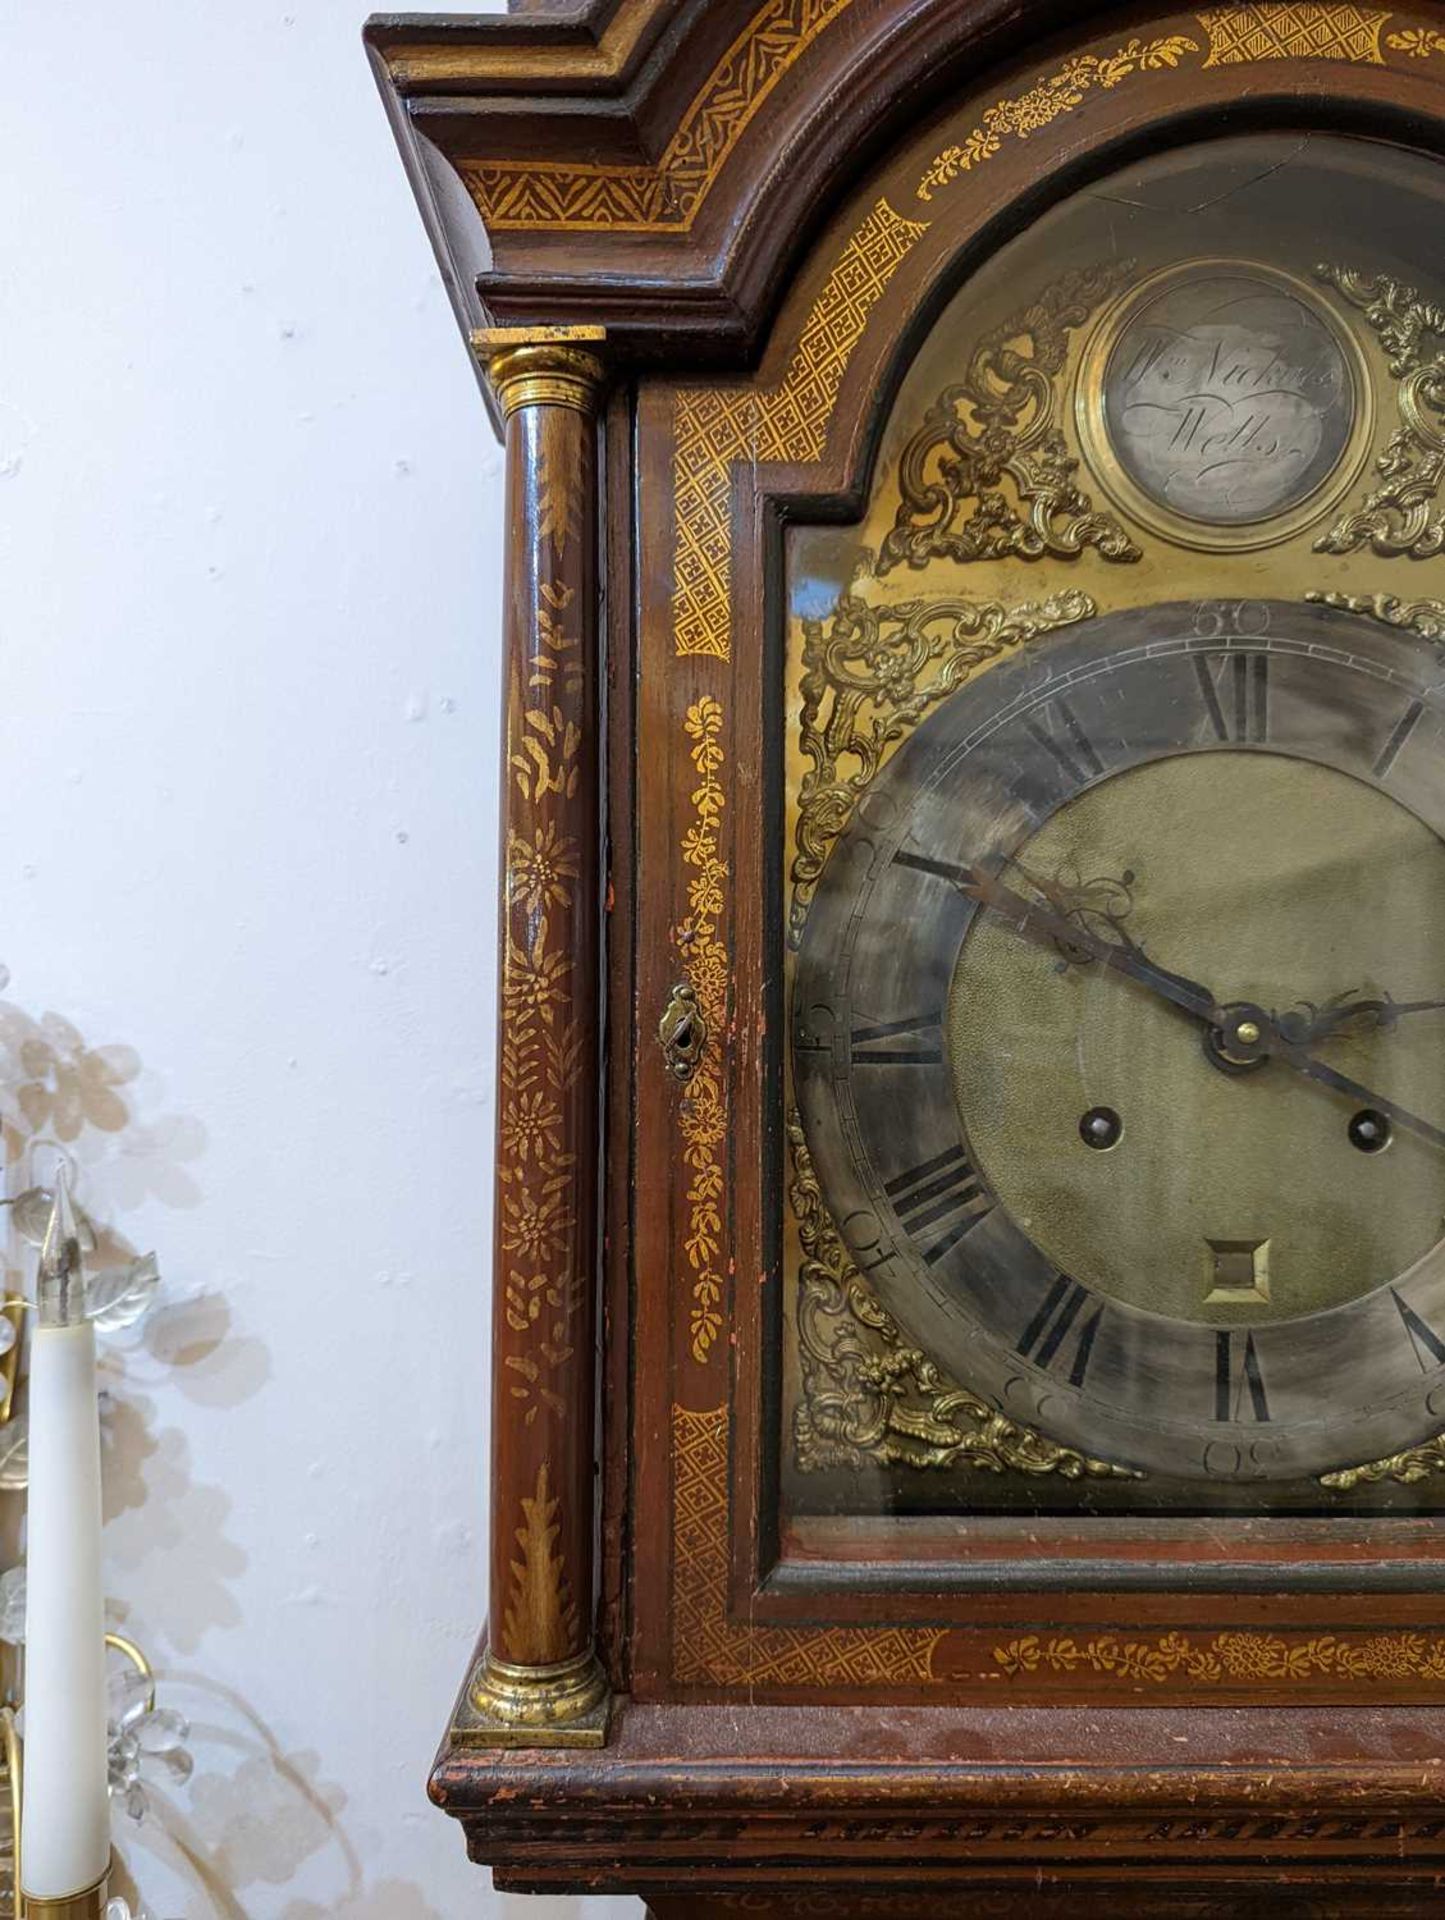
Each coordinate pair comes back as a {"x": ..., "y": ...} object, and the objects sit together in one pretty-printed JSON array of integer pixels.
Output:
[{"x": 848, "y": 1801}]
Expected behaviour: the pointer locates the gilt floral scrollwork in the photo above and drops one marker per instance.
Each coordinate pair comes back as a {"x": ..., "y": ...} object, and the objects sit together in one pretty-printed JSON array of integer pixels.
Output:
[
  {"x": 1227, "y": 1659},
  {"x": 1402, "y": 513},
  {"x": 703, "y": 1116},
  {"x": 1425, "y": 617},
  {"x": 867, "y": 1396},
  {"x": 1060, "y": 92},
  {"x": 869, "y": 675},
  {"x": 989, "y": 473}
]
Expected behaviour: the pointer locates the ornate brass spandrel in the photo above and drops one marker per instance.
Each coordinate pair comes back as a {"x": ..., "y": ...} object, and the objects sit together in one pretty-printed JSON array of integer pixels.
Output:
[
  {"x": 870, "y": 1399},
  {"x": 1414, "y": 1464},
  {"x": 1425, "y": 617},
  {"x": 989, "y": 473},
  {"x": 868, "y": 676},
  {"x": 1402, "y": 514}
]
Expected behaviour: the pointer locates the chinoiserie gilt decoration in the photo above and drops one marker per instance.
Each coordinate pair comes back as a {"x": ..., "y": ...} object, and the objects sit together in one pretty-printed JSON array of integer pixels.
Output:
[
  {"x": 1029, "y": 113},
  {"x": 717, "y": 426},
  {"x": 713, "y": 1648},
  {"x": 1230, "y": 1659},
  {"x": 663, "y": 197},
  {"x": 868, "y": 1395},
  {"x": 999, "y": 424},
  {"x": 703, "y": 1121},
  {"x": 539, "y": 1680}
]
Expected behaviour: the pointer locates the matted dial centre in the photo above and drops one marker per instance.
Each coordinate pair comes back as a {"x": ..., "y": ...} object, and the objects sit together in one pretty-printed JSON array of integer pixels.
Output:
[{"x": 1277, "y": 882}]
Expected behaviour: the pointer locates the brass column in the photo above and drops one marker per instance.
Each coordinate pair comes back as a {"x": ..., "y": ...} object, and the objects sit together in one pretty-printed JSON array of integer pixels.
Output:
[{"x": 539, "y": 1682}]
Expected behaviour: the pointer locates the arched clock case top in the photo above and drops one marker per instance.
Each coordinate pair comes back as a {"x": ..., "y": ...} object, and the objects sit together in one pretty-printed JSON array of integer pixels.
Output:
[{"x": 705, "y": 245}]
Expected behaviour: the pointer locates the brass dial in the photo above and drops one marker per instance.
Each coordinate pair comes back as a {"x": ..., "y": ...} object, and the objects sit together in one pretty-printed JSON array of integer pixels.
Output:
[{"x": 1118, "y": 1041}]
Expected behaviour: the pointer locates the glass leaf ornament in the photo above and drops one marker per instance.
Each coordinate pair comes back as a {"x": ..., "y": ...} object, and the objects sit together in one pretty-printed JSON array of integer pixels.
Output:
[
  {"x": 142, "y": 1736},
  {"x": 12, "y": 1606},
  {"x": 129, "y": 1690},
  {"x": 119, "y": 1296},
  {"x": 8, "y": 1335},
  {"x": 14, "y": 1455},
  {"x": 31, "y": 1210},
  {"x": 161, "y": 1731}
]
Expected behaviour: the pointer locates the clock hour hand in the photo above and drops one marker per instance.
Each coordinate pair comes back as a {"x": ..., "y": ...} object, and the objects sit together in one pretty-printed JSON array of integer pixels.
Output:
[
  {"x": 1121, "y": 955},
  {"x": 1306, "y": 1025},
  {"x": 1247, "y": 1031}
]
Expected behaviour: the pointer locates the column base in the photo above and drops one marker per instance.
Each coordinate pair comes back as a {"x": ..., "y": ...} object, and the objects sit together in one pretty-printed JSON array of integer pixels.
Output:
[{"x": 565, "y": 1704}]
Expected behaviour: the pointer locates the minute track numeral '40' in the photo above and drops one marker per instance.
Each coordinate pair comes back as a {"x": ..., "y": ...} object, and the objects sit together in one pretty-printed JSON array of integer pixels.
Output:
[
  {"x": 1064, "y": 1329},
  {"x": 939, "y": 1202}
]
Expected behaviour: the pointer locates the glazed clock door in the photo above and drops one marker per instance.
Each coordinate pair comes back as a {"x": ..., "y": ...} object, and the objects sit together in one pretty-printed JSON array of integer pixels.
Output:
[
  {"x": 1048, "y": 822},
  {"x": 1113, "y": 891}
]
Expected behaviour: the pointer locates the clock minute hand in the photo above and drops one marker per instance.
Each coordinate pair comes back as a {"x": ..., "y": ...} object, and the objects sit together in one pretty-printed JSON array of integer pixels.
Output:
[
  {"x": 1288, "y": 1054},
  {"x": 1122, "y": 956},
  {"x": 1030, "y": 918}
]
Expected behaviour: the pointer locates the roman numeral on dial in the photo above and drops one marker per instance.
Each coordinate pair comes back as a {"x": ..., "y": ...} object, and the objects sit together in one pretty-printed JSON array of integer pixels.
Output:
[
  {"x": 915, "y": 1041},
  {"x": 1429, "y": 1347},
  {"x": 1059, "y": 731},
  {"x": 1404, "y": 727},
  {"x": 1238, "y": 1379},
  {"x": 940, "y": 869},
  {"x": 1064, "y": 1329},
  {"x": 939, "y": 1202},
  {"x": 1235, "y": 689}
]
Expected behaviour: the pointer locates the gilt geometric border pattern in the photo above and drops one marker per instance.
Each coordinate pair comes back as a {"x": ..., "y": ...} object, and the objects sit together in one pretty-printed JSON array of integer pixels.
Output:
[
  {"x": 567, "y": 197},
  {"x": 665, "y": 196},
  {"x": 715, "y": 426},
  {"x": 709, "y": 1648}
]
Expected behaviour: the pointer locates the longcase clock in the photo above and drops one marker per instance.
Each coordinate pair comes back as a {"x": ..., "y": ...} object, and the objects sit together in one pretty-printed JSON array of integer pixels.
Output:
[{"x": 968, "y": 1373}]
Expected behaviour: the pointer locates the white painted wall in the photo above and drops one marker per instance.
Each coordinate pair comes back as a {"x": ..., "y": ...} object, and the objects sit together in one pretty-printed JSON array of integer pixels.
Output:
[{"x": 249, "y": 543}]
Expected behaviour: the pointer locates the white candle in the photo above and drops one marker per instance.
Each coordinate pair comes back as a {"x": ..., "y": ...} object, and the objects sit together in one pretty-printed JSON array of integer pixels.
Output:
[{"x": 65, "y": 1823}]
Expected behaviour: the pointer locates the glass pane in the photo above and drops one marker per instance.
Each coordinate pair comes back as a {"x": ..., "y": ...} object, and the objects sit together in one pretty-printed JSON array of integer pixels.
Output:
[{"x": 1115, "y": 872}]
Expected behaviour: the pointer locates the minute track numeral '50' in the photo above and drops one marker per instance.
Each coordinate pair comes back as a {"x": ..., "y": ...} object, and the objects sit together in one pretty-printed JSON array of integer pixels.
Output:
[{"x": 939, "y": 1201}]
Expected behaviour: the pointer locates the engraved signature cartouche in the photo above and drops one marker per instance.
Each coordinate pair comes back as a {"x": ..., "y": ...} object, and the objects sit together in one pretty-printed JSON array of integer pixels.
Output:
[{"x": 1227, "y": 400}]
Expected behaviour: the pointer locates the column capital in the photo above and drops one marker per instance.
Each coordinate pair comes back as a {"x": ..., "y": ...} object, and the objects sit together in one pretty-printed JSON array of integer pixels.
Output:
[{"x": 542, "y": 366}]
